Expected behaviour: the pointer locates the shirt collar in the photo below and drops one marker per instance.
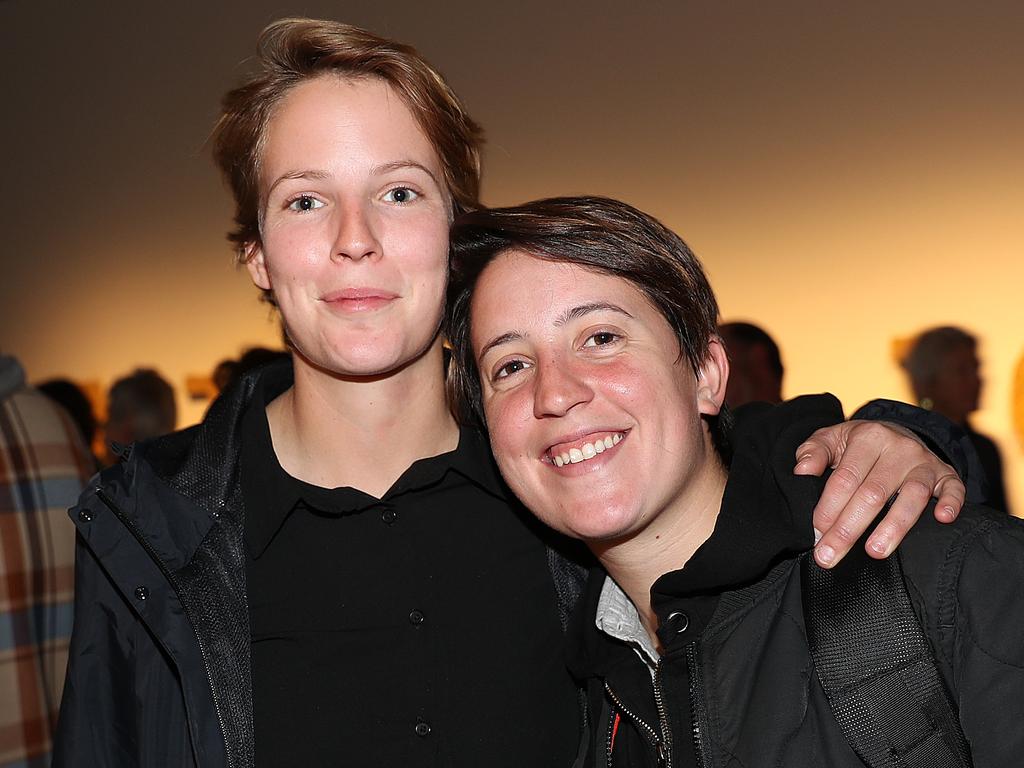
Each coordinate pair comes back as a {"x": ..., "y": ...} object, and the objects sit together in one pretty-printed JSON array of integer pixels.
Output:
[
  {"x": 271, "y": 494},
  {"x": 617, "y": 617}
]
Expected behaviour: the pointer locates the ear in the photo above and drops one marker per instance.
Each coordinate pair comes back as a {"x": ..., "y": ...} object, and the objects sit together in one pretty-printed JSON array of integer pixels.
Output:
[
  {"x": 712, "y": 379},
  {"x": 256, "y": 264}
]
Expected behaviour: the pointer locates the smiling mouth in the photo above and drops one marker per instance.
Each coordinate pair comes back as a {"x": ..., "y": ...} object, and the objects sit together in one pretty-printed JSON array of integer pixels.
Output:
[{"x": 583, "y": 450}]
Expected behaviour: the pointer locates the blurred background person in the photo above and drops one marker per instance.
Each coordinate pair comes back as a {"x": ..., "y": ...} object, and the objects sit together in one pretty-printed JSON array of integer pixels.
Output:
[
  {"x": 139, "y": 406},
  {"x": 228, "y": 371},
  {"x": 944, "y": 373},
  {"x": 225, "y": 372},
  {"x": 44, "y": 465},
  {"x": 756, "y": 365},
  {"x": 75, "y": 402}
]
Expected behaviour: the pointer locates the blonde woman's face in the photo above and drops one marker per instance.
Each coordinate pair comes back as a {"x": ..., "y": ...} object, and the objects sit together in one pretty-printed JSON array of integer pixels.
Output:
[{"x": 354, "y": 226}]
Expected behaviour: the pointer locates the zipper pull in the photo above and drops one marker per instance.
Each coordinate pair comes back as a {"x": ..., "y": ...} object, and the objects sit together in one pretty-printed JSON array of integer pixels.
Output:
[{"x": 662, "y": 754}]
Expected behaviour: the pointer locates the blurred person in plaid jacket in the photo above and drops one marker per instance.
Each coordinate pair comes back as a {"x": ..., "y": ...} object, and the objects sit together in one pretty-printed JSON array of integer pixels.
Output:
[{"x": 43, "y": 467}]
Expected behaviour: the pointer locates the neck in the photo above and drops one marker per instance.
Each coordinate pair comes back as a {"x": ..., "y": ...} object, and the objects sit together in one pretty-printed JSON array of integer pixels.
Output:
[
  {"x": 667, "y": 543},
  {"x": 363, "y": 433}
]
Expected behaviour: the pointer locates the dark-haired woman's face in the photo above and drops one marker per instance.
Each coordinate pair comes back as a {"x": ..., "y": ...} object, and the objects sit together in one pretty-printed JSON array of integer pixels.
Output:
[
  {"x": 355, "y": 226},
  {"x": 593, "y": 418}
]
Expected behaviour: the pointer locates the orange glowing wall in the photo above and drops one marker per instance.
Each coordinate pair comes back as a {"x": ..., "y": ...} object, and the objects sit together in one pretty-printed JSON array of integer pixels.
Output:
[{"x": 849, "y": 175}]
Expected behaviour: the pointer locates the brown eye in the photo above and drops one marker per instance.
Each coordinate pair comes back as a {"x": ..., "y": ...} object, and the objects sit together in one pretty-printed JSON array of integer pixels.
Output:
[
  {"x": 509, "y": 368},
  {"x": 600, "y": 339}
]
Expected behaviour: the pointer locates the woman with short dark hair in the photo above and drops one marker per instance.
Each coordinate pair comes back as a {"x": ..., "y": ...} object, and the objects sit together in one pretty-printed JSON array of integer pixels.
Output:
[{"x": 708, "y": 636}]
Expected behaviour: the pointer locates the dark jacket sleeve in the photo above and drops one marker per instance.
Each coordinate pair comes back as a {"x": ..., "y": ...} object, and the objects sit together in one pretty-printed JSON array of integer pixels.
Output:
[
  {"x": 966, "y": 580},
  {"x": 99, "y": 686},
  {"x": 945, "y": 439}
]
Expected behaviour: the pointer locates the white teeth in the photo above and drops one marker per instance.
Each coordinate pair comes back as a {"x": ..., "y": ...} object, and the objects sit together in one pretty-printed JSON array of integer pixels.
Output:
[{"x": 585, "y": 451}]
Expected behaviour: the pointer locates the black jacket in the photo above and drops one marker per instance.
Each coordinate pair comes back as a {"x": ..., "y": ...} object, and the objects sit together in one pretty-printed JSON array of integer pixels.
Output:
[
  {"x": 159, "y": 670},
  {"x": 743, "y": 690}
]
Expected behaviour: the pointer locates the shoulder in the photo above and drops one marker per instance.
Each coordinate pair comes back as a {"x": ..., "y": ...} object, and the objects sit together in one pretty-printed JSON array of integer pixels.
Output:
[{"x": 968, "y": 577}]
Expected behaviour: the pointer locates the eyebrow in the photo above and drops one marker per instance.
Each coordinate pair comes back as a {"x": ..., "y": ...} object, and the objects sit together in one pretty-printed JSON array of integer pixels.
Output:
[
  {"x": 573, "y": 313},
  {"x": 399, "y": 165},
  {"x": 505, "y": 338},
  {"x": 299, "y": 174}
]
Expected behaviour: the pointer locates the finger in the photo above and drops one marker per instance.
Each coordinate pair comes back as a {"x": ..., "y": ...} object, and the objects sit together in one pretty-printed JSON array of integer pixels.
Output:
[
  {"x": 817, "y": 453},
  {"x": 906, "y": 509},
  {"x": 841, "y": 485},
  {"x": 866, "y": 501},
  {"x": 951, "y": 494}
]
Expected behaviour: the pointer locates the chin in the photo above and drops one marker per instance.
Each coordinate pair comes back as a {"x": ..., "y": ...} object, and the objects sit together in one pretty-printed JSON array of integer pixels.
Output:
[{"x": 591, "y": 525}]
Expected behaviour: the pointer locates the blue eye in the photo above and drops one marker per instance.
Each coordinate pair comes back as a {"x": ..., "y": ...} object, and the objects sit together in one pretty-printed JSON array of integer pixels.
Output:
[
  {"x": 304, "y": 203},
  {"x": 400, "y": 195}
]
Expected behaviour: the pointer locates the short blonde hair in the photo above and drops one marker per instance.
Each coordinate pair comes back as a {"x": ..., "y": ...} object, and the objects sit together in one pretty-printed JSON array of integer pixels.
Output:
[{"x": 291, "y": 51}]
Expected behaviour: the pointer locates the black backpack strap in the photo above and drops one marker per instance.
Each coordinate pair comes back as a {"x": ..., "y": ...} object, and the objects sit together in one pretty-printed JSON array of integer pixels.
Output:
[{"x": 876, "y": 666}]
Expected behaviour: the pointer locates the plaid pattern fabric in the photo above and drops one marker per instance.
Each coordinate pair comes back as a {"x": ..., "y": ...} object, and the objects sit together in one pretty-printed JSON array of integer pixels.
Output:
[{"x": 43, "y": 467}]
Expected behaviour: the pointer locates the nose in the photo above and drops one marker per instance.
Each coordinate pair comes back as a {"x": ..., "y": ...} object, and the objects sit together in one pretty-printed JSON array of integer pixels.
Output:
[
  {"x": 356, "y": 236},
  {"x": 558, "y": 388}
]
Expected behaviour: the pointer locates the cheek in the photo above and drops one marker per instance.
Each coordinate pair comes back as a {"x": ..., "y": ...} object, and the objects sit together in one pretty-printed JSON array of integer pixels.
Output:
[
  {"x": 508, "y": 419},
  {"x": 291, "y": 257}
]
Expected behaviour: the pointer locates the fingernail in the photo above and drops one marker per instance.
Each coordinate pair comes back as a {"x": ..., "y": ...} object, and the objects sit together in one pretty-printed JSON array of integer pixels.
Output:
[
  {"x": 825, "y": 556},
  {"x": 948, "y": 512},
  {"x": 879, "y": 546}
]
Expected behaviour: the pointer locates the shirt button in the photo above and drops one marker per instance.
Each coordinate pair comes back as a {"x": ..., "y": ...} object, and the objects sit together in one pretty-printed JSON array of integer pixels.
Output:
[
  {"x": 422, "y": 729},
  {"x": 416, "y": 617},
  {"x": 141, "y": 593},
  {"x": 677, "y": 622},
  {"x": 389, "y": 516}
]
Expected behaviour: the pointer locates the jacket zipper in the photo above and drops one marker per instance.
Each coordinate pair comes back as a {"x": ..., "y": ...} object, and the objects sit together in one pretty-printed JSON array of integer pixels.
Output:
[
  {"x": 109, "y": 503},
  {"x": 664, "y": 754},
  {"x": 660, "y": 738},
  {"x": 695, "y": 700}
]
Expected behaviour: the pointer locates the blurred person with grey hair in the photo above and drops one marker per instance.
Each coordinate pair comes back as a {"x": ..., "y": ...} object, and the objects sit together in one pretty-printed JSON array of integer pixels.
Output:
[
  {"x": 944, "y": 373},
  {"x": 139, "y": 406}
]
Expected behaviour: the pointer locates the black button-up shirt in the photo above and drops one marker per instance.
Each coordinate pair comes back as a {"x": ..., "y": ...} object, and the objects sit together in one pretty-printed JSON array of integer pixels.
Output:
[{"x": 418, "y": 629}]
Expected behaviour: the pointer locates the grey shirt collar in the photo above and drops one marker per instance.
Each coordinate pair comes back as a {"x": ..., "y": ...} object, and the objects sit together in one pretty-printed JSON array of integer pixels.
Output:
[{"x": 618, "y": 617}]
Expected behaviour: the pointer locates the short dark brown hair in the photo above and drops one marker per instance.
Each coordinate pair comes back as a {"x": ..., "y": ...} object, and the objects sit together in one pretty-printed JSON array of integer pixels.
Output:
[
  {"x": 596, "y": 233},
  {"x": 292, "y": 51}
]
